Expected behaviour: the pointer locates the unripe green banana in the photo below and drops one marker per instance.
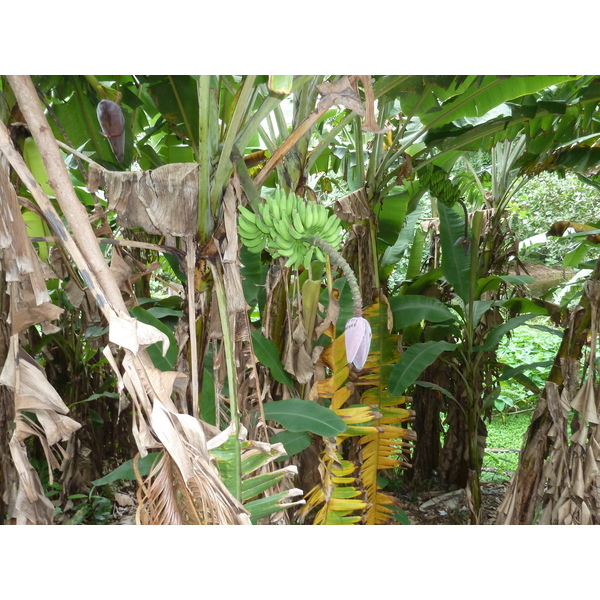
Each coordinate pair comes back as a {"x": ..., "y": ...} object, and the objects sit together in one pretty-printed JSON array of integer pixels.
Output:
[
  {"x": 265, "y": 213},
  {"x": 291, "y": 231},
  {"x": 436, "y": 180},
  {"x": 291, "y": 203},
  {"x": 255, "y": 246},
  {"x": 248, "y": 215},
  {"x": 289, "y": 252},
  {"x": 291, "y": 261},
  {"x": 249, "y": 231},
  {"x": 297, "y": 220},
  {"x": 274, "y": 208},
  {"x": 319, "y": 255},
  {"x": 279, "y": 242},
  {"x": 262, "y": 226},
  {"x": 330, "y": 228},
  {"x": 281, "y": 228},
  {"x": 308, "y": 214},
  {"x": 320, "y": 217},
  {"x": 302, "y": 209},
  {"x": 308, "y": 258}
]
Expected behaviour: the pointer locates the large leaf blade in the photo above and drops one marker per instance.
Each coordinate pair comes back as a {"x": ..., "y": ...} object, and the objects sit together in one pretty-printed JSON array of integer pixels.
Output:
[
  {"x": 303, "y": 415},
  {"x": 413, "y": 362},
  {"x": 408, "y": 310},
  {"x": 126, "y": 470},
  {"x": 455, "y": 263},
  {"x": 394, "y": 253},
  {"x": 495, "y": 335},
  {"x": 487, "y": 93},
  {"x": 293, "y": 442}
]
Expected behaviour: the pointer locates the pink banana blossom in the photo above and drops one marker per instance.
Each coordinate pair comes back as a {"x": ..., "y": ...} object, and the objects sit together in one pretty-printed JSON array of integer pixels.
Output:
[{"x": 358, "y": 341}]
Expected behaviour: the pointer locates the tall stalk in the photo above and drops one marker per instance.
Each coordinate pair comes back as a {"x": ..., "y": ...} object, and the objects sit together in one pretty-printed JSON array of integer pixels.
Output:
[{"x": 228, "y": 345}]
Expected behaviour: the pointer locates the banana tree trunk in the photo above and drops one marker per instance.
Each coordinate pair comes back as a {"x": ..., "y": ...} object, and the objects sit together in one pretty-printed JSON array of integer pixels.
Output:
[{"x": 524, "y": 494}]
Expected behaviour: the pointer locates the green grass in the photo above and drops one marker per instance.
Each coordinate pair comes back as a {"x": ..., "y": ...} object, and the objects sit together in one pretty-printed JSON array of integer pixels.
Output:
[{"x": 504, "y": 432}]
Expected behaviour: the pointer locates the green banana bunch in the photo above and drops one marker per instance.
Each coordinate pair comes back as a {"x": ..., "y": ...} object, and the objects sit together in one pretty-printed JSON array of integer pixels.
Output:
[
  {"x": 440, "y": 186},
  {"x": 285, "y": 225}
]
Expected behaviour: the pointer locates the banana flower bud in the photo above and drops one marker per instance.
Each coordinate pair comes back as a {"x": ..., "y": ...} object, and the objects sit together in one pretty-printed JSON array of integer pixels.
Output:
[
  {"x": 358, "y": 341},
  {"x": 112, "y": 122}
]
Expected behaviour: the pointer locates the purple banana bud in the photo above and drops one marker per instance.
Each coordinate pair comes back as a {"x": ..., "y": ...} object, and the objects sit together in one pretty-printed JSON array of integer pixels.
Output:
[
  {"x": 358, "y": 341},
  {"x": 466, "y": 244},
  {"x": 112, "y": 122}
]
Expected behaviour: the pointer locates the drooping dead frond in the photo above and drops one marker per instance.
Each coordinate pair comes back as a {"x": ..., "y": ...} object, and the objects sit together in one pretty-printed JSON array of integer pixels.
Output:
[
  {"x": 156, "y": 495},
  {"x": 39, "y": 410},
  {"x": 166, "y": 499},
  {"x": 572, "y": 496},
  {"x": 156, "y": 420}
]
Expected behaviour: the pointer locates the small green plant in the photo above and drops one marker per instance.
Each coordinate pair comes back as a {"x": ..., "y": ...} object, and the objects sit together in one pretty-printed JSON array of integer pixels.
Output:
[
  {"x": 90, "y": 509},
  {"x": 533, "y": 347}
]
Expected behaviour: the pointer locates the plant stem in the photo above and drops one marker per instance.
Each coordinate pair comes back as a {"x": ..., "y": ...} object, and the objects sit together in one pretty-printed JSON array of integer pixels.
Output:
[
  {"x": 205, "y": 223},
  {"x": 228, "y": 344},
  {"x": 340, "y": 261}
]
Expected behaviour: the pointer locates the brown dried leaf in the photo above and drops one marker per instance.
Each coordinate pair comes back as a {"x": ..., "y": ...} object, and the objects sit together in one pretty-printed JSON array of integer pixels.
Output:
[
  {"x": 133, "y": 334},
  {"x": 160, "y": 201},
  {"x": 33, "y": 315},
  {"x": 123, "y": 499},
  {"x": 205, "y": 498},
  {"x": 370, "y": 123},
  {"x": 343, "y": 92},
  {"x": 31, "y": 506},
  {"x": 20, "y": 261},
  {"x": 559, "y": 228},
  {"x": 121, "y": 272},
  {"x": 331, "y": 317},
  {"x": 353, "y": 207},
  {"x": 585, "y": 402}
]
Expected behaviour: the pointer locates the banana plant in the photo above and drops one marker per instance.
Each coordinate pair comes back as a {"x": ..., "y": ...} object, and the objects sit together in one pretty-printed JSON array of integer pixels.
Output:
[{"x": 236, "y": 137}]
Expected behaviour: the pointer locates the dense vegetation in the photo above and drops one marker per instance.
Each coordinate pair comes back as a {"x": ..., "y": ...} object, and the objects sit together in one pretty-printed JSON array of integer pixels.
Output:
[{"x": 259, "y": 297}]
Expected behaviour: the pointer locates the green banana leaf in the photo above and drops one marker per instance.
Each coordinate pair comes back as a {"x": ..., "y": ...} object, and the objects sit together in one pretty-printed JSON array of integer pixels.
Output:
[
  {"x": 455, "y": 264},
  {"x": 298, "y": 415},
  {"x": 267, "y": 353},
  {"x": 126, "y": 471},
  {"x": 155, "y": 351},
  {"x": 405, "y": 238},
  {"x": 484, "y": 94},
  {"x": 497, "y": 333},
  {"x": 408, "y": 310},
  {"x": 263, "y": 507},
  {"x": 413, "y": 362},
  {"x": 293, "y": 442}
]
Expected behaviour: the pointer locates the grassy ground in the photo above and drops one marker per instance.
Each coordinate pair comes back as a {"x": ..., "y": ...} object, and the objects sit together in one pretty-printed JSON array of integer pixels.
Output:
[{"x": 504, "y": 433}]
